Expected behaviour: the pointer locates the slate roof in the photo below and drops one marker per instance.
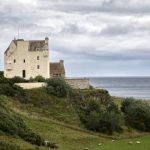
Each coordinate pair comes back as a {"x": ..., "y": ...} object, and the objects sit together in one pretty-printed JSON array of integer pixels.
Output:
[{"x": 35, "y": 45}]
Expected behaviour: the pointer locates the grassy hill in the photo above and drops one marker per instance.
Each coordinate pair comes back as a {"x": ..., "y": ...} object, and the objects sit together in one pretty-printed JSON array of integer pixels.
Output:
[{"x": 56, "y": 120}]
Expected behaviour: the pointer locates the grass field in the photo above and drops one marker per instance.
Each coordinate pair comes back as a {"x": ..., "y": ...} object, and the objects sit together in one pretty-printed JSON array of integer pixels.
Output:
[{"x": 57, "y": 122}]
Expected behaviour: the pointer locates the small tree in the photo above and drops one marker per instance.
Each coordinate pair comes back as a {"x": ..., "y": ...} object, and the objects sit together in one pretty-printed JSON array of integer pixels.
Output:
[
  {"x": 58, "y": 87},
  {"x": 39, "y": 79}
]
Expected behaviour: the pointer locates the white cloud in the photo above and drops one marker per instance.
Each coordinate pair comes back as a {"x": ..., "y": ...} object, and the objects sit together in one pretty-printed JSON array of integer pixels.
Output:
[{"x": 94, "y": 32}]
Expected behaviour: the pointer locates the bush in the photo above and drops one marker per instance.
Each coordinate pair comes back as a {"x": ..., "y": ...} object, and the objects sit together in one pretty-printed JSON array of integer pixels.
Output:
[
  {"x": 8, "y": 146},
  {"x": 9, "y": 89},
  {"x": 137, "y": 114},
  {"x": 1, "y": 74},
  {"x": 97, "y": 94},
  {"x": 97, "y": 118},
  {"x": 11, "y": 124},
  {"x": 39, "y": 79},
  {"x": 58, "y": 87},
  {"x": 18, "y": 80}
]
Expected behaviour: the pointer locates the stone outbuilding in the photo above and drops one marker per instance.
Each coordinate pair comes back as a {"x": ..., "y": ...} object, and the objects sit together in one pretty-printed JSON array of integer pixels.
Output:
[{"x": 57, "y": 69}]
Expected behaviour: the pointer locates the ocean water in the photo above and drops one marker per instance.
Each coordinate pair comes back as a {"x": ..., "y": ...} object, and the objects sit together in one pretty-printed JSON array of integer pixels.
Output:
[{"x": 137, "y": 87}]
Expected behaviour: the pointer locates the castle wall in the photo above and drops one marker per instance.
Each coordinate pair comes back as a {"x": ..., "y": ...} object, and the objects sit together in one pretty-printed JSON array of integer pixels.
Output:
[
  {"x": 79, "y": 83},
  {"x": 32, "y": 85}
]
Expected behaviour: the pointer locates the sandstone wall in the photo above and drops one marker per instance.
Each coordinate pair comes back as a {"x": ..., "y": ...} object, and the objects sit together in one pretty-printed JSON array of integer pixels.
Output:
[
  {"x": 79, "y": 83},
  {"x": 32, "y": 85}
]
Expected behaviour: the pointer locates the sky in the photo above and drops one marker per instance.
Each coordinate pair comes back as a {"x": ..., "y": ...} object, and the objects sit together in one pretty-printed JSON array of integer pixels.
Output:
[{"x": 93, "y": 37}]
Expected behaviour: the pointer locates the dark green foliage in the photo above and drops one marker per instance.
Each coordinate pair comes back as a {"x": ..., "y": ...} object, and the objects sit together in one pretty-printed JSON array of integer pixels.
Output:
[
  {"x": 58, "y": 87},
  {"x": 18, "y": 80},
  {"x": 12, "y": 90},
  {"x": 39, "y": 79},
  {"x": 8, "y": 146},
  {"x": 126, "y": 103},
  {"x": 12, "y": 124},
  {"x": 97, "y": 117},
  {"x": 5, "y": 80},
  {"x": 97, "y": 94},
  {"x": 52, "y": 145},
  {"x": 1, "y": 74},
  {"x": 8, "y": 88},
  {"x": 137, "y": 114}
]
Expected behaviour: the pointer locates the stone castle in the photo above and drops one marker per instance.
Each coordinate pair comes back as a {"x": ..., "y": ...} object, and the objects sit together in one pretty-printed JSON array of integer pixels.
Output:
[{"x": 28, "y": 59}]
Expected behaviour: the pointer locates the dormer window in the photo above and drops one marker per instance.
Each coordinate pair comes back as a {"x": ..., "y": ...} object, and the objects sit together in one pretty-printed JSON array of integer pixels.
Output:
[
  {"x": 24, "y": 60},
  {"x": 38, "y": 58},
  {"x": 14, "y": 60}
]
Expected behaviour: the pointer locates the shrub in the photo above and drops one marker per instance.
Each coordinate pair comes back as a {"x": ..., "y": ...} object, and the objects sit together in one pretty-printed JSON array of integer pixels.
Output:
[
  {"x": 9, "y": 89},
  {"x": 11, "y": 124},
  {"x": 137, "y": 114},
  {"x": 39, "y": 79},
  {"x": 1, "y": 74},
  {"x": 58, "y": 87},
  {"x": 8, "y": 146},
  {"x": 97, "y": 118},
  {"x": 18, "y": 80},
  {"x": 97, "y": 94}
]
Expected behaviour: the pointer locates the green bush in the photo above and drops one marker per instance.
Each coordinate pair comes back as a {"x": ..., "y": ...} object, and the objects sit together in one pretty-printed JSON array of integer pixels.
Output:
[
  {"x": 18, "y": 80},
  {"x": 8, "y": 146},
  {"x": 39, "y": 79},
  {"x": 96, "y": 117},
  {"x": 11, "y": 124},
  {"x": 97, "y": 94},
  {"x": 12, "y": 90},
  {"x": 137, "y": 114},
  {"x": 1, "y": 74},
  {"x": 58, "y": 87}
]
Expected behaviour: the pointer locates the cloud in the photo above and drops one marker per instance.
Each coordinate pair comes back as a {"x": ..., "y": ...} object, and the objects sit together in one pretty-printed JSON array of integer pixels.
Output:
[{"x": 110, "y": 34}]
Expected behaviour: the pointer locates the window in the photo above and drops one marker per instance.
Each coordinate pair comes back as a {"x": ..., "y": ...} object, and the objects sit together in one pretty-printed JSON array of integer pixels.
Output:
[
  {"x": 38, "y": 58},
  {"x": 38, "y": 66},
  {"x": 24, "y": 60},
  {"x": 14, "y": 60},
  {"x": 23, "y": 73}
]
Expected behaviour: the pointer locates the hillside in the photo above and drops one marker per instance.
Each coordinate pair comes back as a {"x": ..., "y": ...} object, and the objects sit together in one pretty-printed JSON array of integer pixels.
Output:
[
  {"x": 66, "y": 136},
  {"x": 56, "y": 119}
]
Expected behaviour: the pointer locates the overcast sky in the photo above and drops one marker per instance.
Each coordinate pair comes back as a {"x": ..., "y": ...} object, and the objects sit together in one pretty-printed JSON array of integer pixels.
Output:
[{"x": 94, "y": 37}]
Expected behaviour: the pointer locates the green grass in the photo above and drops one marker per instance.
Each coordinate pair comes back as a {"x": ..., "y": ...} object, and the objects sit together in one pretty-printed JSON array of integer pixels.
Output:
[{"x": 55, "y": 120}]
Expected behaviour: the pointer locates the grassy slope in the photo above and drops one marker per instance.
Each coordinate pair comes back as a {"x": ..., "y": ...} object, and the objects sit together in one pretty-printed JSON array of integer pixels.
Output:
[{"x": 57, "y": 122}]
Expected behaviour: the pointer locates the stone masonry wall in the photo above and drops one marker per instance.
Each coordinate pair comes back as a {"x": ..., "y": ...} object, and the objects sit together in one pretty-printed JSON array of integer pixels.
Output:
[
  {"x": 79, "y": 83},
  {"x": 32, "y": 85}
]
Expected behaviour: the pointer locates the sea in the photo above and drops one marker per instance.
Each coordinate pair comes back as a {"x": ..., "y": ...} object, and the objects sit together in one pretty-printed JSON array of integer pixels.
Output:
[{"x": 137, "y": 87}]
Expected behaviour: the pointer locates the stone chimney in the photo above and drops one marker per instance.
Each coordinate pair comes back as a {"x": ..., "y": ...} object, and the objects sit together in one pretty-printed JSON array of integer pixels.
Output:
[
  {"x": 61, "y": 62},
  {"x": 46, "y": 42}
]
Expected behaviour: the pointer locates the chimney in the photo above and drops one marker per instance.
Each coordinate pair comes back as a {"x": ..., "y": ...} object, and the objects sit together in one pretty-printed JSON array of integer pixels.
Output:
[
  {"x": 46, "y": 40},
  {"x": 61, "y": 62}
]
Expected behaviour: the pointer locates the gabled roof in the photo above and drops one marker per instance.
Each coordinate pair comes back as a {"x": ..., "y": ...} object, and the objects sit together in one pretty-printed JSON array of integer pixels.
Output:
[
  {"x": 57, "y": 68},
  {"x": 15, "y": 42}
]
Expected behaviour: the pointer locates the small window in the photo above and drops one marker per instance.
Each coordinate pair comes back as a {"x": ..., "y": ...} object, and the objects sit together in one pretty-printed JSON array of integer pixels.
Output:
[
  {"x": 24, "y": 60},
  {"x": 14, "y": 60},
  {"x": 38, "y": 58},
  {"x": 38, "y": 66}
]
